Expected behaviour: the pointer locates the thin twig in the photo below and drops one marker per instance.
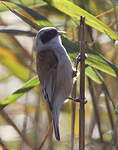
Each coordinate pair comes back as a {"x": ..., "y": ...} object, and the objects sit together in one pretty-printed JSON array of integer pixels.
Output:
[
  {"x": 48, "y": 133},
  {"x": 106, "y": 92},
  {"x": 82, "y": 85},
  {"x": 108, "y": 99},
  {"x": 105, "y": 13},
  {"x": 6, "y": 117},
  {"x": 110, "y": 115},
  {"x": 115, "y": 13},
  {"x": 46, "y": 136},
  {"x": 18, "y": 32},
  {"x": 95, "y": 106}
]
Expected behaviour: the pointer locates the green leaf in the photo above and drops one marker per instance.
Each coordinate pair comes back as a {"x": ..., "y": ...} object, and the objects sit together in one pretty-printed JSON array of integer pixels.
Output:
[
  {"x": 25, "y": 19},
  {"x": 75, "y": 12},
  {"x": 41, "y": 20},
  {"x": 93, "y": 74},
  {"x": 28, "y": 3},
  {"x": 20, "y": 92},
  {"x": 96, "y": 60}
]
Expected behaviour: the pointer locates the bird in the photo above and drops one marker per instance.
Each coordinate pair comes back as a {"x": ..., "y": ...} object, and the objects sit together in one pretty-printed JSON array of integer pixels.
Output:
[{"x": 55, "y": 71}]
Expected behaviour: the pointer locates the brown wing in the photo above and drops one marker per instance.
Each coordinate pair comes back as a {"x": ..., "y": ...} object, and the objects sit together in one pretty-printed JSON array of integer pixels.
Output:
[{"x": 47, "y": 71}]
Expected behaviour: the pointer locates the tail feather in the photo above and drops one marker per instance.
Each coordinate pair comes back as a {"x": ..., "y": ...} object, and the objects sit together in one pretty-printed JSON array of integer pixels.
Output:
[{"x": 55, "y": 117}]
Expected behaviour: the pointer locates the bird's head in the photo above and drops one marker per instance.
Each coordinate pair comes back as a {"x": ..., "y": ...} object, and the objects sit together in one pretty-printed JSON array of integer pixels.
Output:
[{"x": 48, "y": 37}]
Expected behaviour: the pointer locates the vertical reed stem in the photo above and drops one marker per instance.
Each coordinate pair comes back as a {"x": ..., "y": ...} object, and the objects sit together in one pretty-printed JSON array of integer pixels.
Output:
[{"x": 82, "y": 85}]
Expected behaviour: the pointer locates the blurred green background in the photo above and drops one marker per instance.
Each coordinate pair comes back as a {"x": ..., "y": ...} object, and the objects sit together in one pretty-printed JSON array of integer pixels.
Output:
[{"x": 25, "y": 121}]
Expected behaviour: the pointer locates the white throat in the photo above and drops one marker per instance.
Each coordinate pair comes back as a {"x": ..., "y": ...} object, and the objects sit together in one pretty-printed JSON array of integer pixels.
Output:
[{"x": 52, "y": 44}]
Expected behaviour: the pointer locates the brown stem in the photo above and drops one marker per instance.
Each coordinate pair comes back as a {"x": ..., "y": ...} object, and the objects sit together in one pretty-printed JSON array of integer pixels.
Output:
[
  {"x": 96, "y": 111},
  {"x": 48, "y": 134},
  {"x": 82, "y": 85},
  {"x": 105, "y": 13},
  {"x": 6, "y": 117},
  {"x": 115, "y": 14},
  {"x": 108, "y": 99}
]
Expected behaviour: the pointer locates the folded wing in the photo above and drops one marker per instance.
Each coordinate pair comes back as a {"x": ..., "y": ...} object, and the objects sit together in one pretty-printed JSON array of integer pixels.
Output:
[{"x": 47, "y": 63}]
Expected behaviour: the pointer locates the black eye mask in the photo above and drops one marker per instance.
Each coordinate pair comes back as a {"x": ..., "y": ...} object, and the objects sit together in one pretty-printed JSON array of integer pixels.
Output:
[{"x": 48, "y": 35}]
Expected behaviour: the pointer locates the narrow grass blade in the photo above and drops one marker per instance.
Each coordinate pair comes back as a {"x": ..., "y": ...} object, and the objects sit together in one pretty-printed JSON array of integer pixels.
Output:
[
  {"x": 93, "y": 74},
  {"x": 96, "y": 60},
  {"x": 20, "y": 92},
  {"x": 40, "y": 19},
  {"x": 28, "y": 3},
  {"x": 25, "y": 19}
]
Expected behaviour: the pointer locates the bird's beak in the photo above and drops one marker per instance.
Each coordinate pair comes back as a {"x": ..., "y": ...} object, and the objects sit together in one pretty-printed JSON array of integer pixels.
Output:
[{"x": 61, "y": 32}]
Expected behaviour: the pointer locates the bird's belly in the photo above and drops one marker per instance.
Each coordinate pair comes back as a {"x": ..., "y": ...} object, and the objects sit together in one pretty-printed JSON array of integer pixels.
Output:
[
  {"x": 68, "y": 66},
  {"x": 66, "y": 80}
]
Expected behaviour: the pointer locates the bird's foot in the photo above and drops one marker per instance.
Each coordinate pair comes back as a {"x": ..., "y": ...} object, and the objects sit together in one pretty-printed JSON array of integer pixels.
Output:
[
  {"x": 84, "y": 101},
  {"x": 79, "y": 58},
  {"x": 74, "y": 74}
]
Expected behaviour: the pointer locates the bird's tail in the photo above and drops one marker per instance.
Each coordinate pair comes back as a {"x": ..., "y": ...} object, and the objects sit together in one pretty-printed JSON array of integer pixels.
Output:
[{"x": 55, "y": 117}]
